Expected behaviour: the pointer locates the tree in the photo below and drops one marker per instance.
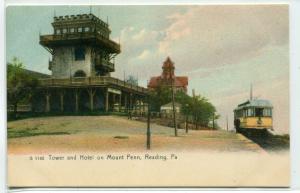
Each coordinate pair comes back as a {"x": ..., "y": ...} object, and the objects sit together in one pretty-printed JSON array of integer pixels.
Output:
[
  {"x": 203, "y": 111},
  {"x": 196, "y": 109},
  {"x": 20, "y": 85},
  {"x": 159, "y": 97}
]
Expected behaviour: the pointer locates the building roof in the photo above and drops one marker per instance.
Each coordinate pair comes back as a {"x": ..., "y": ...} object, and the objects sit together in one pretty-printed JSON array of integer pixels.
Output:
[
  {"x": 255, "y": 103},
  {"x": 180, "y": 81},
  {"x": 154, "y": 81}
]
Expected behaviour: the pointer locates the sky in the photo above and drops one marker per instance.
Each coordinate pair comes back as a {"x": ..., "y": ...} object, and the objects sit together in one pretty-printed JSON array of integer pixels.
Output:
[{"x": 223, "y": 49}]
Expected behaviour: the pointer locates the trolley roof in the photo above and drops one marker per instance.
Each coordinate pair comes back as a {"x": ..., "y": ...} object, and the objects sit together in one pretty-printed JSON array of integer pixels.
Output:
[{"x": 255, "y": 103}]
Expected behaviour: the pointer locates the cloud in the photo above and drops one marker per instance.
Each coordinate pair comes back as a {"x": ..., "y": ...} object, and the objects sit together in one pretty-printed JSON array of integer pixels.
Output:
[
  {"x": 144, "y": 55},
  {"x": 139, "y": 52},
  {"x": 222, "y": 49},
  {"x": 206, "y": 37},
  {"x": 218, "y": 35}
]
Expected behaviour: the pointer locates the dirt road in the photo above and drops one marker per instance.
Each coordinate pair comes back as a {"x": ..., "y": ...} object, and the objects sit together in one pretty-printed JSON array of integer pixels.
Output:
[{"x": 111, "y": 133}]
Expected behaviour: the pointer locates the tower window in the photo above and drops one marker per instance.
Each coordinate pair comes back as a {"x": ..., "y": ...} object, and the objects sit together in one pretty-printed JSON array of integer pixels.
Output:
[
  {"x": 65, "y": 30},
  {"x": 58, "y": 31},
  {"x": 86, "y": 29},
  {"x": 72, "y": 30},
  {"x": 79, "y": 53},
  {"x": 79, "y": 29}
]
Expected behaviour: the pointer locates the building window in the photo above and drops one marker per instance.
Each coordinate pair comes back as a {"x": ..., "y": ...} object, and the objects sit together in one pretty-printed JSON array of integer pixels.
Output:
[
  {"x": 86, "y": 29},
  {"x": 58, "y": 31},
  {"x": 72, "y": 30},
  {"x": 65, "y": 30},
  {"x": 79, "y": 29},
  {"x": 79, "y": 53},
  {"x": 79, "y": 73}
]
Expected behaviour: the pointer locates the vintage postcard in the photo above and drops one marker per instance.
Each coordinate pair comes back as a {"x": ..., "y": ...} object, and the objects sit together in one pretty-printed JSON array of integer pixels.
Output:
[{"x": 148, "y": 96}]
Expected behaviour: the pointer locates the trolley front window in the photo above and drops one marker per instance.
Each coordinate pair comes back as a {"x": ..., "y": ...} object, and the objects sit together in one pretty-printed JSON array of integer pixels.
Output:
[
  {"x": 263, "y": 112},
  {"x": 259, "y": 112}
]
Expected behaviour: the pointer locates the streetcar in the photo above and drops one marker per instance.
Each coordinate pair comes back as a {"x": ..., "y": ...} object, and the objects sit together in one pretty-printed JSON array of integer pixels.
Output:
[{"x": 253, "y": 116}]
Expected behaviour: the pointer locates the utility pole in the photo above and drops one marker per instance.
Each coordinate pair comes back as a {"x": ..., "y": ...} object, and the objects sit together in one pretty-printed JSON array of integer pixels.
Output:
[
  {"x": 213, "y": 123},
  {"x": 174, "y": 110},
  {"x": 251, "y": 92},
  {"x": 186, "y": 118},
  {"x": 186, "y": 124},
  {"x": 148, "y": 126},
  {"x": 227, "y": 122}
]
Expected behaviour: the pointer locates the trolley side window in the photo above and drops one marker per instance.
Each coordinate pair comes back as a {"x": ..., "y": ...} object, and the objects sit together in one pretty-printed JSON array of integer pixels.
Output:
[
  {"x": 239, "y": 113},
  {"x": 250, "y": 112},
  {"x": 267, "y": 112}
]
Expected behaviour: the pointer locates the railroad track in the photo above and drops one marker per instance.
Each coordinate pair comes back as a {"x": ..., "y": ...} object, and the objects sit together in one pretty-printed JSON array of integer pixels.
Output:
[{"x": 269, "y": 141}]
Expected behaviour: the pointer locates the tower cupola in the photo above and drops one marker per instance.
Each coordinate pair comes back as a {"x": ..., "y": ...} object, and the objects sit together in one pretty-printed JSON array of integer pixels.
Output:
[{"x": 80, "y": 46}]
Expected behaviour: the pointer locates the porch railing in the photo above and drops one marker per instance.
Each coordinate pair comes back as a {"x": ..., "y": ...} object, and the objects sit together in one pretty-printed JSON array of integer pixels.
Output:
[{"x": 92, "y": 81}]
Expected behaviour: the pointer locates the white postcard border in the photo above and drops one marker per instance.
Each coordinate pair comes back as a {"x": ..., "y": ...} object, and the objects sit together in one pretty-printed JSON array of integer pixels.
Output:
[{"x": 294, "y": 72}]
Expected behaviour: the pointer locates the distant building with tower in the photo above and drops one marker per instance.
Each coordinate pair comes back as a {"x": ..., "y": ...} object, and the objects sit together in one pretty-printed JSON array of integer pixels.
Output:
[
  {"x": 82, "y": 61},
  {"x": 167, "y": 77}
]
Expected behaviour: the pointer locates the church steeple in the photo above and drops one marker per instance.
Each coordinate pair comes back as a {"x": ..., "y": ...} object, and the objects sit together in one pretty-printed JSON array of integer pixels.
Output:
[{"x": 168, "y": 69}]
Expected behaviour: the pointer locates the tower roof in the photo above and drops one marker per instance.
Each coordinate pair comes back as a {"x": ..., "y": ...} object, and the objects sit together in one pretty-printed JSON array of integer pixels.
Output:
[
  {"x": 77, "y": 30},
  {"x": 80, "y": 19},
  {"x": 168, "y": 63}
]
